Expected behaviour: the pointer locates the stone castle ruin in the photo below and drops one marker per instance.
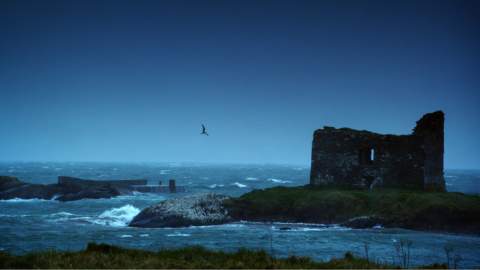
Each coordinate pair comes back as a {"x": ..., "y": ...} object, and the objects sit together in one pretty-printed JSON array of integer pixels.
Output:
[{"x": 362, "y": 159}]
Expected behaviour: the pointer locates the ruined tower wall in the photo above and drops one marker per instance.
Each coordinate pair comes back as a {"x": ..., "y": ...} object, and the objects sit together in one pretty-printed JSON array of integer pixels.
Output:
[
  {"x": 362, "y": 159},
  {"x": 430, "y": 128}
]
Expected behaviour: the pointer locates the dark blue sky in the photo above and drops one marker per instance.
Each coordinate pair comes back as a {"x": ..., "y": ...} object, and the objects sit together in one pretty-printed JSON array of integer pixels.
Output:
[{"x": 133, "y": 80}]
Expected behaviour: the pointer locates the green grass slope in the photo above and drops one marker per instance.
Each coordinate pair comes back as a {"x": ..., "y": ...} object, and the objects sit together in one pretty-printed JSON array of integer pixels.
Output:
[
  {"x": 442, "y": 211},
  {"x": 102, "y": 256}
]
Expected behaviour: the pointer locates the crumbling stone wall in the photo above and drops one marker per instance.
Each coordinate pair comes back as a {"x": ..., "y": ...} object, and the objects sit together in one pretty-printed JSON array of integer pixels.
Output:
[{"x": 361, "y": 159}]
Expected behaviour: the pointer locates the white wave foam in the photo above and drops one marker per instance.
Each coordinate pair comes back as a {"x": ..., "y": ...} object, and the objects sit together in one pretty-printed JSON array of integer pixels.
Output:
[
  {"x": 378, "y": 226},
  {"x": 313, "y": 229},
  {"x": 178, "y": 234},
  {"x": 165, "y": 171},
  {"x": 61, "y": 214},
  {"x": 216, "y": 185},
  {"x": 117, "y": 217},
  {"x": 7, "y": 215},
  {"x": 284, "y": 223},
  {"x": 240, "y": 185},
  {"x": 126, "y": 236},
  {"x": 226, "y": 225},
  {"x": 19, "y": 200},
  {"x": 279, "y": 181},
  {"x": 251, "y": 179},
  {"x": 233, "y": 225}
]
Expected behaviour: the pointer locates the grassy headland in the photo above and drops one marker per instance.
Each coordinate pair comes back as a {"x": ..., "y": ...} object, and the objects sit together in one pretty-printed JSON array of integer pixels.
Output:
[
  {"x": 440, "y": 211},
  {"x": 102, "y": 256}
]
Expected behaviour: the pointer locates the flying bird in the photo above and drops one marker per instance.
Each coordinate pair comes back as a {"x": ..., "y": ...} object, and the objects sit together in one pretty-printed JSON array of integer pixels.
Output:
[{"x": 204, "y": 130}]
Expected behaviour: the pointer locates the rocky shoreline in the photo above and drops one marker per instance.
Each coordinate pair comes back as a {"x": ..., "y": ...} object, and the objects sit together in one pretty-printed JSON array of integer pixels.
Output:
[{"x": 212, "y": 209}]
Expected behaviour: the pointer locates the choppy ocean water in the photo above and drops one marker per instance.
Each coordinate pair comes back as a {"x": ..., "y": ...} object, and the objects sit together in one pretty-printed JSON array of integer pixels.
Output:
[{"x": 30, "y": 225}]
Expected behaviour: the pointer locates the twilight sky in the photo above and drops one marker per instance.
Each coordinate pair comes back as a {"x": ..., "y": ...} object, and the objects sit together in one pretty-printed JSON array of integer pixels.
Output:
[{"x": 134, "y": 80}]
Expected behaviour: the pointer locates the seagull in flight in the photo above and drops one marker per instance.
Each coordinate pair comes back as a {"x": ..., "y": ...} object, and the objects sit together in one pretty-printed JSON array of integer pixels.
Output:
[{"x": 204, "y": 130}]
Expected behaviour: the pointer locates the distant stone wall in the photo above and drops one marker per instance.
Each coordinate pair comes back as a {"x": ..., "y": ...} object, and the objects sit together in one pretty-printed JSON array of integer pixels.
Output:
[
  {"x": 361, "y": 159},
  {"x": 68, "y": 180}
]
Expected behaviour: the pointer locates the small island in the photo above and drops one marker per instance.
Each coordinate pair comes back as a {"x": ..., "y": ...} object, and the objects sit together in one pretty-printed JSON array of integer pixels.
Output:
[{"x": 417, "y": 210}]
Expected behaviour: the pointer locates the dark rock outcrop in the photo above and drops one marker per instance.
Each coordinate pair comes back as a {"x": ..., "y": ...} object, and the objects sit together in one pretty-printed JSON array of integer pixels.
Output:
[
  {"x": 67, "y": 189},
  {"x": 11, "y": 187},
  {"x": 204, "y": 209}
]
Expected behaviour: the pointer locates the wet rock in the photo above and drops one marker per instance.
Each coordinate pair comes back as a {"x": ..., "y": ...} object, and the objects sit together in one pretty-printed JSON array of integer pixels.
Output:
[
  {"x": 11, "y": 187},
  {"x": 100, "y": 192},
  {"x": 203, "y": 209}
]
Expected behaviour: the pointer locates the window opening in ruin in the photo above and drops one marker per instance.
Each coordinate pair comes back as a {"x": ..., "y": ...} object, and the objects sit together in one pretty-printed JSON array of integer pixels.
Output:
[{"x": 367, "y": 156}]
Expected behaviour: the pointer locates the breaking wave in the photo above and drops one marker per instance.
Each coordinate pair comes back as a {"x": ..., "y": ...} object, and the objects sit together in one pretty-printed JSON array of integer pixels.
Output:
[
  {"x": 117, "y": 217},
  {"x": 7, "y": 215},
  {"x": 178, "y": 234},
  {"x": 312, "y": 229},
  {"x": 219, "y": 226},
  {"x": 18, "y": 200},
  {"x": 279, "y": 181},
  {"x": 240, "y": 185},
  {"x": 216, "y": 186},
  {"x": 61, "y": 214}
]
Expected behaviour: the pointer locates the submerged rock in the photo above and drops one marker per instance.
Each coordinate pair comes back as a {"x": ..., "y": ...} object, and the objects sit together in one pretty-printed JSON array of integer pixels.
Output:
[{"x": 203, "y": 209}]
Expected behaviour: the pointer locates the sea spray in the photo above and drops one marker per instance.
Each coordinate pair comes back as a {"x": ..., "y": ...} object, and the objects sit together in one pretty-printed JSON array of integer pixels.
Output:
[{"x": 117, "y": 217}]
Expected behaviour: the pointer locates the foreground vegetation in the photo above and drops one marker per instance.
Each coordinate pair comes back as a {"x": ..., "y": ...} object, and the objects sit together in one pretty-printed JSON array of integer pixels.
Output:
[
  {"x": 442, "y": 211},
  {"x": 101, "y": 256}
]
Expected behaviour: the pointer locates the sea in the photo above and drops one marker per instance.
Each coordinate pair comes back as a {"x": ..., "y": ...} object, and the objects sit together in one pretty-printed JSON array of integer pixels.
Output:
[{"x": 39, "y": 225}]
